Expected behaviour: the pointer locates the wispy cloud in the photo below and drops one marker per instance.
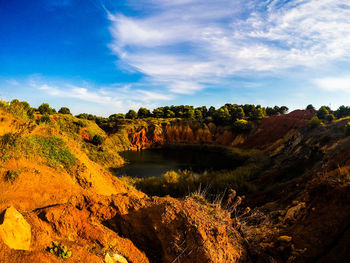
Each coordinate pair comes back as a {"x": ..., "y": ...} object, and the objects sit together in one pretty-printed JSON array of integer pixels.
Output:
[
  {"x": 118, "y": 97},
  {"x": 334, "y": 83},
  {"x": 187, "y": 43}
]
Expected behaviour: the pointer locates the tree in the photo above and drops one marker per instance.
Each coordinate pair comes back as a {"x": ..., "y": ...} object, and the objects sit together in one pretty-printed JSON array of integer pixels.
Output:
[
  {"x": 310, "y": 107},
  {"x": 143, "y": 113},
  {"x": 211, "y": 111},
  {"x": 97, "y": 139},
  {"x": 258, "y": 114},
  {"x": 242, "y": 126},
  {"x": 198, "y": 114},
  {"x": 45, "y": 109},
  {"x": 283, "y": 109},
  {"x": 169, "y": 114},
  {"x": 322, "y": 113},
  {"x": 64, "y": 110},
  {"x": 117, "y": 116},
  {"x": 131, "y": 114},
  {"x": 158, "y": 113},
  {"x": 222, "y": 116}
]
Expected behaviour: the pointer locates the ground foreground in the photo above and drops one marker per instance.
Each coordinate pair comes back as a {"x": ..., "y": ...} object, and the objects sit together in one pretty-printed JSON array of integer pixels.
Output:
[{"x": 58, "y": 198}]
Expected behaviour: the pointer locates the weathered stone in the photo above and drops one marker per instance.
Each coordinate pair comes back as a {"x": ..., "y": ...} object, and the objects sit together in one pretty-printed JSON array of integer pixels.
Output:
[
  {"x": 14, "y": 230},
  {"x": 115, "y": 258}
]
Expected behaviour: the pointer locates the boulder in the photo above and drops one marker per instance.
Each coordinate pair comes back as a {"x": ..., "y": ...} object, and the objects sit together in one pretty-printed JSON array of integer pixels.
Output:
[
  {"x": 115, "y": 258},
  {"x": 14, "y": 230}
]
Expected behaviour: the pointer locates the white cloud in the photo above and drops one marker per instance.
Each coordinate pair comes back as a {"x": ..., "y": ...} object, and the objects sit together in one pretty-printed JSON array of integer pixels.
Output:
[
  {"x": 192, "y": 41},
  {"x": 114, "y": 97},
  {"x": 334, "y": 83}
]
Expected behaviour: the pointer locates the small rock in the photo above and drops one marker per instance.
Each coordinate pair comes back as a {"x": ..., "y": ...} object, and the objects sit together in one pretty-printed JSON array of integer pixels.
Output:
[
  {"x": 115, "y": 258},
  {"x": 15, "y": 231},
  {"x": 286, "y": 239}
]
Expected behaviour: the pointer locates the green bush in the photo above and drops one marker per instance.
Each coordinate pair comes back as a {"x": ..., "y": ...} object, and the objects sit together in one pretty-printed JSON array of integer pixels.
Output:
[
  {"x": 242, "y": 126},
  {"x": 80, "y": 123},
  {"x": 59, "y": 250},
  {"x": 46, "y": 109},
  {"x": 19, "y": 109},
  {"x": 45, "y": 119},
  {"x": 98, "y": 139},
  {"x": 11, "y": 175},
  {"x": 53, "y": 149},
  {"x": 64, "y": 110},
  {"x": 314, "y": 122}
]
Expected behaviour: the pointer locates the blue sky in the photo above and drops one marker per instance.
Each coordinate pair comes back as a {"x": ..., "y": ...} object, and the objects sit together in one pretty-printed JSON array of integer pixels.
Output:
[{"x": 107, "y": 56}]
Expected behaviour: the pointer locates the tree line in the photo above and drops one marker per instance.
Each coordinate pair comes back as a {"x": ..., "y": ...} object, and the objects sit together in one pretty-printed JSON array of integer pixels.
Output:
[{"x": 237, "y": 116}]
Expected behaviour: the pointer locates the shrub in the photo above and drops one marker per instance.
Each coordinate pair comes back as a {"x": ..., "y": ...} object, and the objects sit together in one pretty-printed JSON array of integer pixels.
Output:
[
  {"x": 80, "y": 123},
  {"x": 310, "y": 107},
  {"x": 45, "y": 118},
  {"x": 97, "y": 139},
  {"x": 314, "y": 122},
  {"x": 171, "y": 177},
  {"x": 53, "y": 149},
  {"x": 242, "y": 126},
  {"x": 46, "y": 109},
  {"x": 11, "y": 176},
  {"x": 59, "y": 250},
  {"x": 131, "y": 114},
  {"x": 347, "y": 129},
  {"x": 322, "y": 113},
  {"x": 64, "y": 110}
]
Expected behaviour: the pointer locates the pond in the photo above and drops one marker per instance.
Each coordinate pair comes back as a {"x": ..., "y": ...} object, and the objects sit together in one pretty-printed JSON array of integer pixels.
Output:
[{"x": 155, "y": 162}]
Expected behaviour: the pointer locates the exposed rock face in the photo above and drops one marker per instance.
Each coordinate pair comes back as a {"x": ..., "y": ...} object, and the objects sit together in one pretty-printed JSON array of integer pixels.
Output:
[
  {"x": 264, "y": 137},
  {"x": 169, "y": 230},
  {"x": 14, "y": 230}
]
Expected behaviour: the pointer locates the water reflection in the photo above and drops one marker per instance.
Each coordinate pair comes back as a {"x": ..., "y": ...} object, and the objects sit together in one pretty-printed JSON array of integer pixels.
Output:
[{"x": 156, "y": 162}]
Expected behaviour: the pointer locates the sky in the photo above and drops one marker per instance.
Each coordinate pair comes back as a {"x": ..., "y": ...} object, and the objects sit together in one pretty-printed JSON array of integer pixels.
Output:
[{"x": 109, "y": 56}]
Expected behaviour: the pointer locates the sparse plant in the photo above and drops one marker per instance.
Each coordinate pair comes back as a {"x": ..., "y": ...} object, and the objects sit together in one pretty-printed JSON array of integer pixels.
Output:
[
  {"x": 314, "y": 122},
  {"x": 80, "y": 123},
  {"x": 98, "y": 140},
  {"x": 11, "y": 175},
  {"x": 45, "y": 118},
  {"x": 59, "y": 250}
]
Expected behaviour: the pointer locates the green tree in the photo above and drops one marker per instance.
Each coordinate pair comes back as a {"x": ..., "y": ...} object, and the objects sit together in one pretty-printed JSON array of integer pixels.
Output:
[
  {"x": 131, "y": 114},
  {"x": 158, "y": 113},
  {"x": 169, "y": 114},
  {"x": 198, "y": 115},
  {"x": 258, "y": 114},
  {"x": 46, "y": 109},
  {"x": 322, "y": 113},
  {"x": 310, "y": 107},
  {"x": 64, "y": 110},
  {"x": 115, "y": 117},
  {"x": 98, "y": 139},
  {"x": 143, "y": 113},
  {"x": 283, "y": 109},
  {"x": 222, "y": 116},
  {"x": 242, "y": 126}
]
